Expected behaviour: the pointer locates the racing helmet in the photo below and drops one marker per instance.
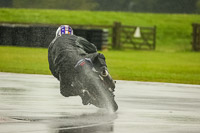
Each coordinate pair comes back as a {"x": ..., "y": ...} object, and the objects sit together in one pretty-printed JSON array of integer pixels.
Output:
[{"x": 64, "y": 29}]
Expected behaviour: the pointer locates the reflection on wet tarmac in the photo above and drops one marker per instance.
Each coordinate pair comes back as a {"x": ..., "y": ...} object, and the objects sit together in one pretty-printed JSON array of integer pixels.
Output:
[
  {"x": 33, "y": 104},
  {"x": 105, "y": 128}
]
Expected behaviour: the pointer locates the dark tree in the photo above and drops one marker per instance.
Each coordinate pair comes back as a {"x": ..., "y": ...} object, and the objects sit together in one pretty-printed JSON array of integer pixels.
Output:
[
  {"x": 158, "y": 6},
  {"x": 5, "y": 3},
  {"x": 56, "y": 4},
  {"x": 176, "y": 6}
]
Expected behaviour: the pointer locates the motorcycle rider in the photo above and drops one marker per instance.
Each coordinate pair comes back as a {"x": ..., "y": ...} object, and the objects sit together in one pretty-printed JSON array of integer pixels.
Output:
[{"x": 64, "y": 52}]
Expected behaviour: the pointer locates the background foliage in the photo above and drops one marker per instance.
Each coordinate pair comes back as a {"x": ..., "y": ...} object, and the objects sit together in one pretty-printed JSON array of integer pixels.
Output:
[{"x": 155, "y": 6}]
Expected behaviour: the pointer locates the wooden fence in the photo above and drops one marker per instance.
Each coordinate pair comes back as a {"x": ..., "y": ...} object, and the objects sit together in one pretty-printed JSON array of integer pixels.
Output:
[
  {"x": 123, "y": 36},
  {"x": 196, "y": 37}
]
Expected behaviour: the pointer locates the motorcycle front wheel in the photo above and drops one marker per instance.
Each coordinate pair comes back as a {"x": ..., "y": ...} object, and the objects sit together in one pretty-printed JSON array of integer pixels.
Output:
[{"x": 101, "y": 96}]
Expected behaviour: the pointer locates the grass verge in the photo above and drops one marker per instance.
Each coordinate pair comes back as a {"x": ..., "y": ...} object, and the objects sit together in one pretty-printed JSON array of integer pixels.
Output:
[{"x": 174, "y": 67}]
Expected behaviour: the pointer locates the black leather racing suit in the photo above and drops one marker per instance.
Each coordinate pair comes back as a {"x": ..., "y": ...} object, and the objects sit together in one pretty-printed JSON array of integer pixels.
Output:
[{"x": 63, "y": 54}]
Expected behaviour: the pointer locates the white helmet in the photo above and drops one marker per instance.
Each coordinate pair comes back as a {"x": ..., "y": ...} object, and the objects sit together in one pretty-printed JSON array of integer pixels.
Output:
[{"x": 64, "y": 29}]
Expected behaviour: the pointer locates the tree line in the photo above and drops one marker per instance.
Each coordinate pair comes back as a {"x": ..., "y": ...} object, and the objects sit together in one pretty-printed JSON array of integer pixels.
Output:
[{"x": 154, "y": 6}]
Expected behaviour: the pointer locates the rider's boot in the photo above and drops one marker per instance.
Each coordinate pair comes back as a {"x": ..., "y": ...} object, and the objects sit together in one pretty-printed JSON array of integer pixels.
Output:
[
  {"x": 107, "y": 78},
  {"x": 104, "y": 71}
]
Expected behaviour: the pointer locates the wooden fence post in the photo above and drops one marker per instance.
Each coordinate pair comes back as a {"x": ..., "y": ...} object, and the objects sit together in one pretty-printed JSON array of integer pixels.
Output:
[
  {"x": 154, "y": 38},
  {"x": 195, "y": 35},
  {"x": 116, "y": 44}
]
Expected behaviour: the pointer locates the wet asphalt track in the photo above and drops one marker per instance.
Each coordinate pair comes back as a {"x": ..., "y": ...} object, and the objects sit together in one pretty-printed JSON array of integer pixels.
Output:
[{"x": 33, "y": 104}]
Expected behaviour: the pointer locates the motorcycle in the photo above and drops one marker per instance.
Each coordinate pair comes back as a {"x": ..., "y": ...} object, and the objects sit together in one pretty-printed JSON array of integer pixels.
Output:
[{"x": 96, "y": 84}]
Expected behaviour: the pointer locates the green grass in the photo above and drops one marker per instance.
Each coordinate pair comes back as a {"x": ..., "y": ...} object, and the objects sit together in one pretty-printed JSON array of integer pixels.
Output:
[
  {"x": 23, "y": 60},
  {"x": 172, "y": 61},
  {"x": 173, "y": 30},
  {"x": 174, "y": 67}
]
